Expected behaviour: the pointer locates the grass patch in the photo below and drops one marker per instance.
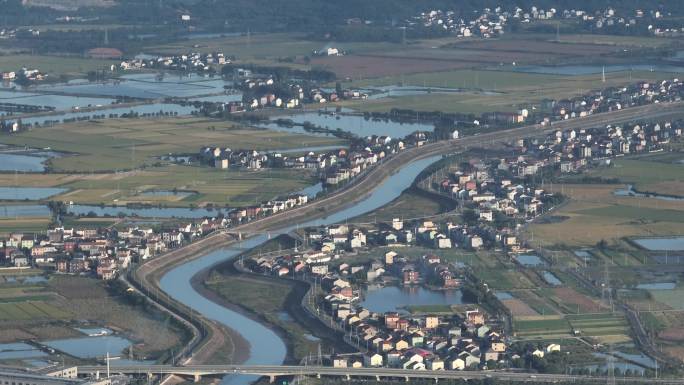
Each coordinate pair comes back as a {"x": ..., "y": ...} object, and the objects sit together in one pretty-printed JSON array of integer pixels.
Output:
[
  {"x": 429, "y": 309},
  {"x": 117, "y": 144},
  {"x": 672, "y": 298},
  {"x": 53, "y": 65},
  {"x": 267, "y": 300},
  {"x": 30, "y": 311}
]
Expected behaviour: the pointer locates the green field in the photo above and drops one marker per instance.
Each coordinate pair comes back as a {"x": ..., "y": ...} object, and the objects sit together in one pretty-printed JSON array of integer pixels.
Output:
[
  {"x": 429, "y": 309},
  {"x": 672, "y": 298},
  {"x": 604, "y": 327},
  {"x": 54, "y": 66},
  {"x": 118, "y": 144},
  {"x": 19, "y": 225},
  {"x": 655, "y": 173},
  {"x": 265, "y": 299},
  {"x": 599, "y": 325},
  {"x": 542, "y": 327},
  {"x": 410, "y": 204},
  {"x": 509, "y": 90},
  {"x": 99, "y": 150},
  {"x": 638, "y": 213},
  {"x": 503, "y": 278},
  {"x": 30, "y": 310}
]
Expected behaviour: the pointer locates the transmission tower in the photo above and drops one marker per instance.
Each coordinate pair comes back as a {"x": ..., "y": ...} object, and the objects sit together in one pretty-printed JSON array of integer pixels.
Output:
[
  {"x": 319, "y": 360},
  {"x": 606, "y": 291},
  {"x": 611, "y": 368}
]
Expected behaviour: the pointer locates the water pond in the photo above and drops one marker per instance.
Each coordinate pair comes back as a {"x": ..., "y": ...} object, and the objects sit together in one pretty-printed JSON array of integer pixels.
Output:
[
  {"x": 167, "y": 193},
  {"x": 94, "y": 332},
  {"x": 22, "y": 279},
  {"x": 529, "y": 260},
  {"x": 24, "y": 211},
  {"x": 655, "y": 244},
  {"x": 143, "y": 109},
  {"x": 23, "y": 162},
  {"x": 355, "y": 124},
  {"x": 146, "y": 86},
  {"x": 668, "y": 259},
  {"x": 59, "y": 102},
  {"x": 594, "y": 69},
  {"x": 394, "y": 298},
  {"x": 90, "y": 347},
  {"x": 551, "y": 278},
  {"x": 144, "y": 212},
  {"x": 312, "y": 190},
  {"x": 629, "y": 192},
  {"x": 29, "y": 193},
  {"x": 19, "y": 350},
  {"x": 657, "y": 286}
]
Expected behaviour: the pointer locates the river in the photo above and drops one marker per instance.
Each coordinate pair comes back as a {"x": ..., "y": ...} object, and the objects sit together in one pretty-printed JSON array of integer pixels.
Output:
[{"x": 266, "y": 347}]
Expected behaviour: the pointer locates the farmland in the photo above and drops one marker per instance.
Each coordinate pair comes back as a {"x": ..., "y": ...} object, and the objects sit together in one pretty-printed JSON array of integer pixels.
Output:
[
  {"x": 30, "y": 310},
  {"x": 97, "y": 151},
  {"x": 649, "y": 173},
  {"x": 595, "y": 213},
  {"x": 51, "y": 309},
  {"x": 607, "y": 328},
  {"x": 118, "y": 144},
  {"x": 54, "y": 66},
  {"x": 491, "y": 89}
]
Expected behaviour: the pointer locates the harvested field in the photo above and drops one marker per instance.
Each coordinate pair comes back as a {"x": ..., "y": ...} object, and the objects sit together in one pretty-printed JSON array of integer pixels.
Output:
[
  {"x": 577, "y": 302},
  {"x": 608, "y": 327},
  {"x": 675, "y": 351},
  {"x": 542, "y": 327},
  {"x": 672, "y": 334},
  {"x": 595, "y": 213},
  {"x": 51, "y": 311},
  {"x": 673, "y": 323},
  {"x": 519, "y": 308},
  {"x": 357, "y": 67},
  {"x": 537, "y": 46}
]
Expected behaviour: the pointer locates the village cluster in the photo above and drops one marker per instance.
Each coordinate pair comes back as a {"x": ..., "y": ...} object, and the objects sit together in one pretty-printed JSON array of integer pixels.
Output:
[
  {"x": 491, "y": 22},
  {"x": 334, "y": 167},
  {"x": 28, "y": 74},
  {"x": 104, "y": 252},
  {"x": 468, "y": 340},
  {"x": 193, "y": 61}
]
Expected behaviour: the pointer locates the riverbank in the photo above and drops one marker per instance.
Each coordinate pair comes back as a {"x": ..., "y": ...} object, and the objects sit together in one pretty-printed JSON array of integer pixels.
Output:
[
  {"x": 285, "y": 315},
  {"x": 209, "y": 336}
]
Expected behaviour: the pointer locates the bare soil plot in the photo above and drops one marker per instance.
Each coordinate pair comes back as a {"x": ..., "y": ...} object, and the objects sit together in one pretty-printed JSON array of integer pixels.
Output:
[
  {"x": 355, "y": 66},
  {"x": 575, "y": 300},
  {"x": 539, "y": 46},
  {"x": 519, "y": 308}
]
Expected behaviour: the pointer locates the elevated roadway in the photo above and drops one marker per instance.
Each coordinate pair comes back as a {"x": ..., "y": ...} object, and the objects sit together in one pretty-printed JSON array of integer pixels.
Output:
[{"x": 274, "y": 371}]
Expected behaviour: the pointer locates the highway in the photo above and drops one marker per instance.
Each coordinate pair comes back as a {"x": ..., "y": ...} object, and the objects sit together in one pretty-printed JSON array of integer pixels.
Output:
[
  {"x": 146, "y": 277},
  {"x": 198, "y": 371}
]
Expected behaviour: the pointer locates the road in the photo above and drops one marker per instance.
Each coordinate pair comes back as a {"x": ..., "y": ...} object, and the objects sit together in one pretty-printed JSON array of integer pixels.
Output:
[
  {"x": 147, "y": 276},
  {"x": 273, "y": 371}
]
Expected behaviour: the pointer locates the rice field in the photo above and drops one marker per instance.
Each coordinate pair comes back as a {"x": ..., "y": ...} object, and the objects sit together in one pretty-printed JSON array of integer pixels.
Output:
[{"x": 30, "y": 310}]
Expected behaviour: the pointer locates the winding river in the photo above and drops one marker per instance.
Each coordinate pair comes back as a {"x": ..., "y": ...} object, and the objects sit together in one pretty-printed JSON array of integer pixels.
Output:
[{"x": 266, "y": 347}]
